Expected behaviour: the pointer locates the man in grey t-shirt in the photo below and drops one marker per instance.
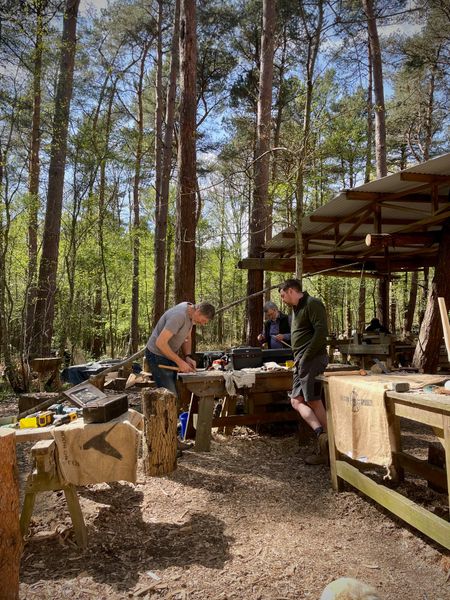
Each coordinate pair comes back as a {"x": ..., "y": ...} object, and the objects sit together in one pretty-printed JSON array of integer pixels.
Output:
[{"x": 172, "y": 334}]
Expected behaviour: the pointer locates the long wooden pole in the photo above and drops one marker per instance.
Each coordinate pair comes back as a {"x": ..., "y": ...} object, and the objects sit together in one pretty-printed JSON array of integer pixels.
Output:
[{"x": 445, "y": 324}]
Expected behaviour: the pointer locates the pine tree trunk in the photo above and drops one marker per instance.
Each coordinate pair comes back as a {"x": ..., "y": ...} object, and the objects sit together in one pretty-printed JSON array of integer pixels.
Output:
[
  {"x": 10, "y": 536},
  {"x": 185, "y": 230},
  {"x": 163, "y": 208},
  {"x": 380, "y": 111},
  {"x": 411, "y": 307},
  {"x": 134, "y": 326},
  {"x": 426, "y": 355},
  {"x": 259, "y": 212},
  {"x": 160, "y": 432},
  {"x": 45, "y": 305},
  {"x": 33, "y": 187}
]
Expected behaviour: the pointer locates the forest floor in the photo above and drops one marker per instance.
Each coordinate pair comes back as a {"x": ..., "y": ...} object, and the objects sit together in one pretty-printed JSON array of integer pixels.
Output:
[{"x": 248, "y": 520}]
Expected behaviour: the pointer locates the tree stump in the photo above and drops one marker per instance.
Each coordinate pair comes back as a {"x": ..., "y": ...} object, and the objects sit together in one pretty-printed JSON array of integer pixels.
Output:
[
  {"x": 160, "y": 431},
  {"x": 10, "y": 537}
]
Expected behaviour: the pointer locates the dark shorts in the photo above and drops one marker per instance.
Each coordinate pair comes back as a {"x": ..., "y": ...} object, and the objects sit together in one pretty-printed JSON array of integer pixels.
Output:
[{"x": 304, "y": 380}]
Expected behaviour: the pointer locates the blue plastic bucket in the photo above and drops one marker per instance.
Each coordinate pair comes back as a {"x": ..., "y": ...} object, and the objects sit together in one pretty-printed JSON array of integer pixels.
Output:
[{"x": 183, "y": 422}]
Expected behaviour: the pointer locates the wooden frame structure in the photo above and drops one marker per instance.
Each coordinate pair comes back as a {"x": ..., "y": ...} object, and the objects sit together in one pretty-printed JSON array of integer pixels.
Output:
[{"x": 389, "y": 225}]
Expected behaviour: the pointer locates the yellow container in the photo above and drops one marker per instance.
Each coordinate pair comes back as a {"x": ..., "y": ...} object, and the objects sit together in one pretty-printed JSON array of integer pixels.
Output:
[{"x": 290, "y": 364}]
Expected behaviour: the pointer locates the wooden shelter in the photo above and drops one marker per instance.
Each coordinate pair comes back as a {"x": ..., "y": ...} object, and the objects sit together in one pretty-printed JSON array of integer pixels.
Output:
[{"x": 389, "y": 225}]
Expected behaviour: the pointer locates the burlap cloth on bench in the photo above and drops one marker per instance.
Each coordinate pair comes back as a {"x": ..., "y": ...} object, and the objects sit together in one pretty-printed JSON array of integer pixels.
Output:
[
  {"x": 99, "y": 452},
  {"x": 359, "y": 414}
]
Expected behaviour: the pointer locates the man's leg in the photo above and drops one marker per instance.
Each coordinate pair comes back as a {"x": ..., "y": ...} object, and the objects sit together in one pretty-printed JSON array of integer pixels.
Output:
[{"x": 313, "y": 412}]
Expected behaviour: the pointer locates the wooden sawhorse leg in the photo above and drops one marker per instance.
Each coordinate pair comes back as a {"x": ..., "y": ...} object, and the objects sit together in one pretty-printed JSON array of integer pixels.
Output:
[{"x": 44, "y": 478}]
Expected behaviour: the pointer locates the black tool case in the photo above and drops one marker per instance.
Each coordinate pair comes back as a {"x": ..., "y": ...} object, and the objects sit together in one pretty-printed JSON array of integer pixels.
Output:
[
  {"x": 97, "y": 406},
  {"x": 105, "y": 409},
  {"x": 245, "y": 358},
  {"x": 278, "y": 355}
]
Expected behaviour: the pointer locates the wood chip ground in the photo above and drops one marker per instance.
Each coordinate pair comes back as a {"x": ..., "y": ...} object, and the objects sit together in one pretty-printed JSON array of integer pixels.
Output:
[{"x": 249, "y": 520}]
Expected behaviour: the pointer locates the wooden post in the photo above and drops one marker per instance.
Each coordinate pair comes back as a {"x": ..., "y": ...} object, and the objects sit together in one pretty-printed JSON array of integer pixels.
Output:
[
  {"x": 160, "y": 431},
  {"x": 10, "y": 538}
]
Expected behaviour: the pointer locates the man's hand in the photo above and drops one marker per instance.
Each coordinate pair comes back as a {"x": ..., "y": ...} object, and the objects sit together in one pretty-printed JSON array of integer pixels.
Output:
[
  {"x": 191, "y": 361},
  {"x": 261, "y": 338},
  {"x": 279, "y": 337},
  {"x": 185, "y": 367}
]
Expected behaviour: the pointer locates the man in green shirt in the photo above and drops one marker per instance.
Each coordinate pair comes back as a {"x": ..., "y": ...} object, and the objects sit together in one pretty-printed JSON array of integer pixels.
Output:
[{"x": 309, "y": 332}]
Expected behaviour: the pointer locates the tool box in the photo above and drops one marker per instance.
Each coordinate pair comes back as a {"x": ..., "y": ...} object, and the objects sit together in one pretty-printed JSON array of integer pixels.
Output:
[
  {"x": 97, "y": 406},
  {"x": 105, "y": 409},
  {"x": 278, "y": 355},
  {"x": 245, "y": 358}
]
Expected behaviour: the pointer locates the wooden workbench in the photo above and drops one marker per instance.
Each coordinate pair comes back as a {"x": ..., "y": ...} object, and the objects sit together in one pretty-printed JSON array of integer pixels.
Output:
[
  {"x": 207, "y": 386},
  {"x": 427, "y": 408}
]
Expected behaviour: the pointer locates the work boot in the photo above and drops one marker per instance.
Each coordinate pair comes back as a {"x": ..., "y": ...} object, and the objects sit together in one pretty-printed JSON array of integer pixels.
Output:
[
  {"x": 316, "y": 459},
  {"x": 183, "y": 445},
  {"x": 322, "y": 456}
]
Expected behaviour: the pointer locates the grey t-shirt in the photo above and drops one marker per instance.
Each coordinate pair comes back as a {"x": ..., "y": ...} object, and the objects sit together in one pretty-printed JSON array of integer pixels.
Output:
[{"x": 177, "y": 321}]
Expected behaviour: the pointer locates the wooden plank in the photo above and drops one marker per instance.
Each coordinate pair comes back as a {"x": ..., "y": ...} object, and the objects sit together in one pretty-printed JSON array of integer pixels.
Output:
[
  {"x": 427, "y": 401},
  {"x": 256, "y": 418},
  {"x": 419, "y": 414},
  {"x": 416, "y": 516},
  {"x": 423, "y": 468},
  {"x": 364, "y": 349},
  {"x": 446, "y": 445}
]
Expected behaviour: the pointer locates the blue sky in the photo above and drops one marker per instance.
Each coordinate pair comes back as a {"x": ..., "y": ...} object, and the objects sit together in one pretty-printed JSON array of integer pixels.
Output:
[{"x": 85, "y": 5}]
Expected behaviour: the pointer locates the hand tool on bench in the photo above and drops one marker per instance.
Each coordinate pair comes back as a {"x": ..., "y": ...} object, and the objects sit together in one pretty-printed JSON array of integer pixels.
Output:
[{"x": 281, "y": 341}]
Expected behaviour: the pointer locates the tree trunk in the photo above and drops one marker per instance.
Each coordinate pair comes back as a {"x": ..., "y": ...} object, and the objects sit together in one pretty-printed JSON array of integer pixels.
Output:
[
  {"x": 45, "y": 305},
  {"x": 160, "y": 432},
  {"x": 368, "y": 167},
  {"x": 426, "y": 355},
  {"x": 362, "y": 307},
  {"x": 163, "y": 207},
  {"x": 10, "y": 536},
  {"x": 187, "y": 183},
  {"x": 411, "y": 307},
  {"x": 380, "y": 114},
  {"x": 259, "y": 211},
  {"x": 134, "y": 327},
  {"x": 33, "y": 187},
  {"x": 313, "y": 44}
]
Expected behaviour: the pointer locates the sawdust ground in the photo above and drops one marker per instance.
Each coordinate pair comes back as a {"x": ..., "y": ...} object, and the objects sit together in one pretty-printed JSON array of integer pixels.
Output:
[{"x": 248, "y": 520}]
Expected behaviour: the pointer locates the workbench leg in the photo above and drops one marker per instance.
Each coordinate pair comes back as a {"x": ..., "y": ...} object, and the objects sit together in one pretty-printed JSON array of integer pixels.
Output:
[
  {"x": 204, "y": 423},
  {"x": 336, "y": 482},
  {"x": 193, "y": 409},
  {"x": 79, "y": 526},
  {"x": 27, "y": 511},
  {"x": 447, "y": 452},
  {"x": 230, "y": 404},
  {"x": 398, "y": 473}
]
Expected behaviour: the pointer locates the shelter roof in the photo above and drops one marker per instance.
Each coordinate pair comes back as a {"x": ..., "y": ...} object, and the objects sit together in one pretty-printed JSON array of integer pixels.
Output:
[{"x": 388, "y": 225}]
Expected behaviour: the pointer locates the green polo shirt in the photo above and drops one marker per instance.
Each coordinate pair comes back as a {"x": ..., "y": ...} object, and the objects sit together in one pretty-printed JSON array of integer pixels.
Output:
[{"x": 309, "y": 328}]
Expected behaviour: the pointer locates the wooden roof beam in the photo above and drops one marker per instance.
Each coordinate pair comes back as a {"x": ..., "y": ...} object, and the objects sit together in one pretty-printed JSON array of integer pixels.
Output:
[
  {"x": 354, "y": 219},
  {"x": 424, "y": 177},
  {"x": 409, "y": 197},
  {"x": 425, "y": 238}
]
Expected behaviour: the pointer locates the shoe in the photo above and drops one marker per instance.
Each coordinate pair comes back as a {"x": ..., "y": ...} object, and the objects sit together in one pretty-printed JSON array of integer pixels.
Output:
[
  {"x": 323, "y": 443},
  {"x": 316, "y": 459},
  {"x": 183, "y": 445}
]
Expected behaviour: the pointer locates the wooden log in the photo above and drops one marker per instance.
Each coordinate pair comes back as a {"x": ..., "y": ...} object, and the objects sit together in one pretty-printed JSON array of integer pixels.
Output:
[
  {"x": 10, "y": 537},
  {"x": 160, "y": 432}
]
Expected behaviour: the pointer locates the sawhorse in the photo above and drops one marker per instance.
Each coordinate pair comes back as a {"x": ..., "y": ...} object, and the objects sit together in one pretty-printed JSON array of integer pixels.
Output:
[{"x": 44, "y": 478}]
